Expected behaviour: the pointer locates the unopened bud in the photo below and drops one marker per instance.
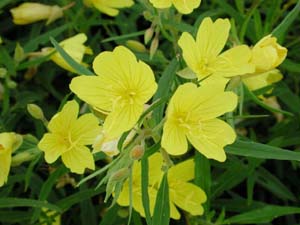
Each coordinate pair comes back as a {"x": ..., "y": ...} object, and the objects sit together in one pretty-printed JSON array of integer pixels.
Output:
[
  {"x": 154, "y": 46},
  {"x": 3, "y": 72},
  {"x": 11, "y": 84},
  {"x": 19, "y": 54},
  {"x": 137, "y": 152},
  {"x": 120, "y": 175},
  {"x": 136, "y": 46},
  {"x": 35, "y": 111},
  {"x": 148, "y": 35}
]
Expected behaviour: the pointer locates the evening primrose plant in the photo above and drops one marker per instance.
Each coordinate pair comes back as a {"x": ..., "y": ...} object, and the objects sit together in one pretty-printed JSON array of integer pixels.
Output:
[{"x": 156, "y": 116}]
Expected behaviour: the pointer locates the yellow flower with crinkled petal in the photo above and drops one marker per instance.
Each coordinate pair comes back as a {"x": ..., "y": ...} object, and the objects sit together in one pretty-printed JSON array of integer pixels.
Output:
[
  {"x": 68, "y": 137},
  {"x": 31, "y": 12},
  {"x": 75, "y": 47},
  {"x": 121, "y": 89},
  {"x": 183, "y": 194},
  {"x": 267, "y": 54},
  {"x": 192, "y": 114},
  {"x": 203, "y": 55},
  {"x": 109, "y": 7},
  {"x": 8, "y": 143},
  {"x": 183, "y": 6}
]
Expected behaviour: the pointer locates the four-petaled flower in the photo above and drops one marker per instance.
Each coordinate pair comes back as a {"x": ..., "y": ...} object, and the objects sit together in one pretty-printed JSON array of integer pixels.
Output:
[
  {"x": 68, "y": 137},
  {"x": 183, "y": 194},
  {"x": 191, "y": 114},
  {"x": 203, "y": 55},
  {"x": 121, "y": 89}
]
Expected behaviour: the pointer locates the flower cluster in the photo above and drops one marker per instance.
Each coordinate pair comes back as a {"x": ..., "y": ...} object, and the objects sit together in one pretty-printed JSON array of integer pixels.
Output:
[{"x": 116, "y": 99}]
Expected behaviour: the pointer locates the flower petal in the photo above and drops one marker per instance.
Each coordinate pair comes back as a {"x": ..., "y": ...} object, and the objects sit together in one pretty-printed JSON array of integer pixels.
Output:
[
  {"x": 93, "y": 90},
  {"x": 212, "y": 37},
  {"x": 85, "y": 130},
  {"x": 186, "y": 7},
  {"x": 78, "y": 158},
  {"x": 215, "y": 106},
  {"x": 122, "y": 119},
  {"x": 183, "y": 171},
  {"x": 62, "y": 121},
  {"x": 52, "y": 146},
  {"x": 161, "y": 4},
  {"x": 234, "y": 61},
  {"x": 187, "y": 196},
  {"x": 5, "y": 159},
  {"x": 190, "y": 52},
  {"x": 260, "y": 80},
  {"x": 174, "y": 139},
  {"x": 212, "y": 138}
]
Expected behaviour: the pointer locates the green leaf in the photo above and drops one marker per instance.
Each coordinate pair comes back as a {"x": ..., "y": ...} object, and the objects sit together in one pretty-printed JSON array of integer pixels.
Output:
[
  {"x": 282, "y": 28},
  {"x": 145, "y": 194},
  {"x": 161, "y": 213},
  {"x": 71, "y": 200},
  {"x": 262, "y": 215},
  {"x": 203, "y": 177},
  {"x": 125, "y": 36},
  {"x": 22, "y": 202},
  {"x": 76, "y": 66},
  {"x": 265, "y": 106},
  {"x": 164, "y": 87},
  {"x": 262, "y": 151}
]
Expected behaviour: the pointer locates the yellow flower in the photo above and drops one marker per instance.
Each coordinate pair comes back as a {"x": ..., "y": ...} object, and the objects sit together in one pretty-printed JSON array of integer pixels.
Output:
[
  {"x": 267, "y": 54},
  {"x": 260, "y": 80},
  {"x": 183, "y": 6},
  {"x": 191, "y": 114},
  {"x": 30, "y": 12},
  {"x": 183, "y": 194},
  {"x": 8, "y": 143},
  {"x": 203, "y": 56},
  {"x": 121, "y": 89},
  {"x": 68, "y": 138},
  {"x": 74, "y": 46},
  {"x": 109, "y": 7}
]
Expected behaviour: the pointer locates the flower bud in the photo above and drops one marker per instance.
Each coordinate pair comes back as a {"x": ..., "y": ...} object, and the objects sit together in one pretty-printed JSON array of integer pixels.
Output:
[
  {"x": 31, "y": 12},
  {"x": 120, "y": 175},
  {"x": 137, "y": 152},
  {"x": 148, "y": 34},
  {"x": 136, "y": 46},
  {"x": 35, "y": 111},
  {"x": 11, "y": 84},
  {"x": 3, "y": 72},
  {"x": 267, "y": 54},
  {"x": 154, "y": 46}
]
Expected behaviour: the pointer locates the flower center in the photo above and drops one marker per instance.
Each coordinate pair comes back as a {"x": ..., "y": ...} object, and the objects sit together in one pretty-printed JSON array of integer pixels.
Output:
[
  {"x": 203, "y": 68},
  {"x": 68, "y": 142}
]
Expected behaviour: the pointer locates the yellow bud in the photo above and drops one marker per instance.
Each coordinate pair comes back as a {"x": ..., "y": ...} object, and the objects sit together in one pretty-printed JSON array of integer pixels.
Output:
[
  {"x": 1, "y": 41},
  {"x": 137, "y": 152},
  {"x": 30, "y": 12},
  {"x": 120, "y": 175},
  {"x": 136, "y": 46},
  {"x": 35, "y": 111},
  {"x": 267, "y": 54}
]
